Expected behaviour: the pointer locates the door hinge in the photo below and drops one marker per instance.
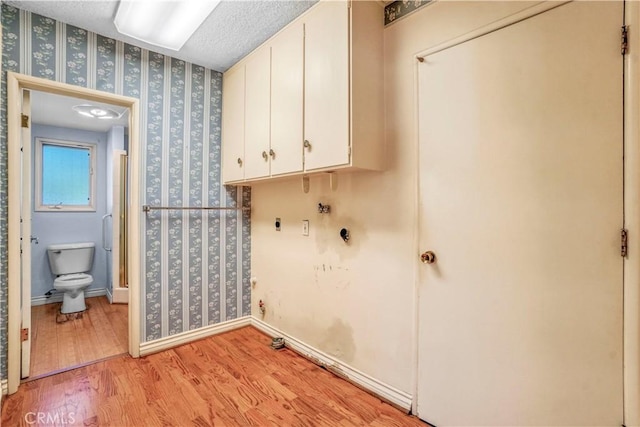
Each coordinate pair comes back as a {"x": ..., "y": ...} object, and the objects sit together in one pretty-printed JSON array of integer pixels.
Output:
[
  {"x": 25, "y": 120},
  {"x": 349, "y": 152},
  {"x": 24, "y": 334},
  {"x": 624, "y": 40},
  {"x": 624, "y": 242}
]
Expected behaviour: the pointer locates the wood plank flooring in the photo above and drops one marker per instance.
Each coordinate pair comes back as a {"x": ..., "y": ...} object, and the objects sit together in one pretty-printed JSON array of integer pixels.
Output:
[
  {"x": 101, "y": 332},
  {"x": 232, "y": 379}
]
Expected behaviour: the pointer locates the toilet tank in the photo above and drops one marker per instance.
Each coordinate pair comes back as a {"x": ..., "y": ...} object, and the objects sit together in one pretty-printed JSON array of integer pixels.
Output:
[{"x": 71, "y": 258}]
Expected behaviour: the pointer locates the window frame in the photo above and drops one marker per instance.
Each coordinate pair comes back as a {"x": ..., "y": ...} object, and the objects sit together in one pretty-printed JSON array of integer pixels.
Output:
[{"x": 93, "y": 152}]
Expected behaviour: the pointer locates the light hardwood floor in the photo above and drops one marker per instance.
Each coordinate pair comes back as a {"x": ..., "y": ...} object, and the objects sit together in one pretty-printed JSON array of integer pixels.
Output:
[
  {"x": 101, "y": 332},
  {"x": 232, "y": 379}
]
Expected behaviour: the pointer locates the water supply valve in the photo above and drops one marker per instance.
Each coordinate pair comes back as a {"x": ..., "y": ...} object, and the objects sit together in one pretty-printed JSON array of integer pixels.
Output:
[{"x": 324, "y": 209}]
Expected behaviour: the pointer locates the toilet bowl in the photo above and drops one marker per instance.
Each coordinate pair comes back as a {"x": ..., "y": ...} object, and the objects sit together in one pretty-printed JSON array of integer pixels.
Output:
[
  {"x": 72, "y": 286},
  {"x": 70, "y": 262}
]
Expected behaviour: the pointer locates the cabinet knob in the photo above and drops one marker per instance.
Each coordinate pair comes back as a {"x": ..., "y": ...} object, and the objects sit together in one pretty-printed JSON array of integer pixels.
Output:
[
  {"x": 265, "y": 156},
  {"x": 307, "y": 145},
  {"x": 272, "y": 154},
  {"x": 239, "y": 162}
]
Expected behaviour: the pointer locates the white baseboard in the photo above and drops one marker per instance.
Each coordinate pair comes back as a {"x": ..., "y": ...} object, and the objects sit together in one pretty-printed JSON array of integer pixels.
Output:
[
  {"x": 391, "y": 394},
  {"x": 189, "y": 336},
  {"x": 4, "y": 385},
  {"x": 57, "y": 296},
  {"x": 120, "y": 296},
  {"x": 109, "y": 296}
]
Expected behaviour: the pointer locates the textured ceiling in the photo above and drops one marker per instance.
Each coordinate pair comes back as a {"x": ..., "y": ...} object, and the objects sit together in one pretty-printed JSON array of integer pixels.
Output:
[
  {"x": 56, "y": 110},
  {"x": 233, "y": 29}
]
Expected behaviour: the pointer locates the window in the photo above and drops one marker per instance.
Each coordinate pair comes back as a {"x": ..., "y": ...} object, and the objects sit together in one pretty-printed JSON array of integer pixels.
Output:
[{"x": 65, "y": 178}]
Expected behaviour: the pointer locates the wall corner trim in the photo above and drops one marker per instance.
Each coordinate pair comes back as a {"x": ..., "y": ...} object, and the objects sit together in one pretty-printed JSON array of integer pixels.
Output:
[
  {"x": 171, "y": 341},
  {"x": 382, "y": 390}
]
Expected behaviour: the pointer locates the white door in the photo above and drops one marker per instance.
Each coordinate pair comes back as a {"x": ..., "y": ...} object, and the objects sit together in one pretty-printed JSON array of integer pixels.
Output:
[
  {"x": 25, "y": 236},
  {"x": 520, "y": 315}
]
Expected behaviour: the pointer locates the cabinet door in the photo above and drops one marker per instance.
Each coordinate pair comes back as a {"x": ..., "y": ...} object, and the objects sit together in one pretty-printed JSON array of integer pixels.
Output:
[
  {"x": 287, "y": 61},
  {"x": 233, "y": 125},
  {"x": 257, "y": 114},
  {"x": 326, "y": 104}
]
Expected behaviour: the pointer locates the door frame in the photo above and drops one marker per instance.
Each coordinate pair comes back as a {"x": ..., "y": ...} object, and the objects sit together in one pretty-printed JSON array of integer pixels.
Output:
[
  {"x": 631, "y": 165},
  {"x": 25, "y": 230},
  {"x": 631, "y": 276},
  {"x": 15, "y": 84}
]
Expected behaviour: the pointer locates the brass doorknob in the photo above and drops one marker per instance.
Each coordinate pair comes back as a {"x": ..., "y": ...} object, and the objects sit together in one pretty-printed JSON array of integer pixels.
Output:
[{"x": 428, "y": 257}]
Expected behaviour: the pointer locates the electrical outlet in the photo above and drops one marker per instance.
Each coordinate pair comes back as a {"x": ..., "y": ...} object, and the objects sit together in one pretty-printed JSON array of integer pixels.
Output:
[{"x": 305, "y": 227}]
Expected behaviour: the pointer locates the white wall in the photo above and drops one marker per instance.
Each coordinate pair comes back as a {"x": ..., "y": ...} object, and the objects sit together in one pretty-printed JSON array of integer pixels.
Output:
[
  {"x": 353, "y": 300},
  {"x": 357, "y": 301}
]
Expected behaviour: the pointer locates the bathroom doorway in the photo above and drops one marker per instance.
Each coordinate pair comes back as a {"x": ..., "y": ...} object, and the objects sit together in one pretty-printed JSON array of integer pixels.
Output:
[
  {"x": 63, "y": 340},
  {"x": 78, "y": 191}
]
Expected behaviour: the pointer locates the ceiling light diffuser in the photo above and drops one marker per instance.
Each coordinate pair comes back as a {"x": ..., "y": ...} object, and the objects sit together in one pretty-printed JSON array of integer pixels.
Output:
[
  {"x": 168, "y": 23},
  {"x": 96, "y": 112}
]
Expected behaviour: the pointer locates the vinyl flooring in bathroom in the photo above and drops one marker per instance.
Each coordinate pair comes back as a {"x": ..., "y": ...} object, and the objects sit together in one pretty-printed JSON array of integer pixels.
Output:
[
  {"x": 101, "y": 332},
  {"x": 231, "y": 379}
]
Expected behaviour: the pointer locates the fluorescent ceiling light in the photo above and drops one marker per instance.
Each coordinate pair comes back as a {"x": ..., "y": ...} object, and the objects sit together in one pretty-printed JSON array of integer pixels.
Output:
[
  {"x": 164, "y": 23},
  {"x": 96, "y": 112}
]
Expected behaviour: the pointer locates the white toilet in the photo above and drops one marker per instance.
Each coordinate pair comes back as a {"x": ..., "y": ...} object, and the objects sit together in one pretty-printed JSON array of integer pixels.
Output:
[{"x": 70, "y": 262}]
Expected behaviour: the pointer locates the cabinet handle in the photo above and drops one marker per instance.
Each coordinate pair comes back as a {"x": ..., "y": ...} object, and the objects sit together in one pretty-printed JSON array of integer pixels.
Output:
[
  {"x": 239, "y": 162},
  {"x": 264, "y": 156},
  {"x": 307, "y": 145},
  {"x": 272, "y": 154}
]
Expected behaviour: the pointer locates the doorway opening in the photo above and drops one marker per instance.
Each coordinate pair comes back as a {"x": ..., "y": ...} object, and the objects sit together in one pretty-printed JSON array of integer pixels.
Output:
[
  {"x": 80, "y": 224},
  {"x": 78, "y": 193}
]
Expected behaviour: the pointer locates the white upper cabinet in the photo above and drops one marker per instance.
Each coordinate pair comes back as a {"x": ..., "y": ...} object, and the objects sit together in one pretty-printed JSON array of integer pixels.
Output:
[
  {"x": 312, "y": 98},
  {"x": 257, "y": 121},
  {"x": 233, "y": 125},
  {"x": 287, "y": 61},
  {"x": 326, "y": 71}
]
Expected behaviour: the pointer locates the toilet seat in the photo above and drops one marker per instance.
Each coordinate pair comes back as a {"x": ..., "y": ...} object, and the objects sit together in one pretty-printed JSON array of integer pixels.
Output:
[{"x": 67, "y": 281}]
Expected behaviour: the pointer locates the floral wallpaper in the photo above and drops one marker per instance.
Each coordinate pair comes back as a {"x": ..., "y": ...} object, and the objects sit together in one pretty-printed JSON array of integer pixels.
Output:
[
  {"x": 196, "y": 264},
  {"x": 401, "y": 8}
]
